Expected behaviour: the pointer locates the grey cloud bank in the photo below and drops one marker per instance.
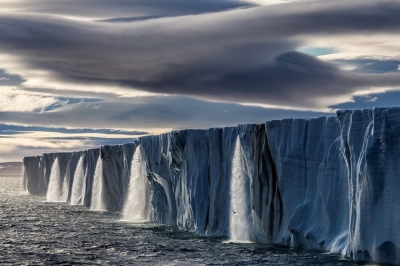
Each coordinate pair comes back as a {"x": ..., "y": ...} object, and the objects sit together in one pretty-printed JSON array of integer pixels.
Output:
[
  {"x": 193, "y": 61},
  {"x": 104, "y": 9},
  {"x": 148, "y": 113}
]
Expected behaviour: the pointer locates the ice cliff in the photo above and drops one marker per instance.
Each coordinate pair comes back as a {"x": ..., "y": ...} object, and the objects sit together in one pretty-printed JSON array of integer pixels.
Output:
[{"x": 330, "y": 183}]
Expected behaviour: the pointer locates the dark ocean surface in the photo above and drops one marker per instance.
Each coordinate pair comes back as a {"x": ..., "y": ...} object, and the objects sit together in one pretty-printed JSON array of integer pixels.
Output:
[{"x": 34, "y": 232}]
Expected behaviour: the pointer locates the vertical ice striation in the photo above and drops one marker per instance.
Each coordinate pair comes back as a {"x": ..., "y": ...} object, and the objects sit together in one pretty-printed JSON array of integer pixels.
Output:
[
  {"x": 34, "y": 180},
  {"x": 190, "y": 182},
  {"x": 137, "y": 204},
  {"x": 373, "y": 172},
  {"x": 97, "y": 189},
  {"x": 239, "y": 227},
  {"x": 329, "y": 183}
]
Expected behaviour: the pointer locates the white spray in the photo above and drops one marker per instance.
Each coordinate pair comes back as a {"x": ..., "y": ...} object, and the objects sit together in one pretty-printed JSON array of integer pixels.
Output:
[
  {"x": 54, "y": 189},
  {"x": 78, "y": 187},
  {"x": 97, "y": 189},
  {"x": 136, "y": 206},
  {"x": 239, "y": 203}
]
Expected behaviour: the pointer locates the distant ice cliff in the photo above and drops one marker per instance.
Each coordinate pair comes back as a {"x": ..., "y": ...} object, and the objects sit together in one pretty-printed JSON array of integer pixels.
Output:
[{"x": 330, "y": 183}]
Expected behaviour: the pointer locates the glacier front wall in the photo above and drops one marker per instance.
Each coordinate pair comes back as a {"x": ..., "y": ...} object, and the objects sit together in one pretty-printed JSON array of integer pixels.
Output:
[{"x": 330, "y": 183}]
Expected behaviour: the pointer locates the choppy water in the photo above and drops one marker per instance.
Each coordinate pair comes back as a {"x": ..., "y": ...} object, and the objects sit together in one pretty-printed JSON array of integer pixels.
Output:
[{"x": 33, "y": 232}]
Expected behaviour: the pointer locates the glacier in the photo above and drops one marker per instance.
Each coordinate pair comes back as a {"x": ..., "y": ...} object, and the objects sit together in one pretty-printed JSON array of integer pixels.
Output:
[{"x": 328, "y": 183}]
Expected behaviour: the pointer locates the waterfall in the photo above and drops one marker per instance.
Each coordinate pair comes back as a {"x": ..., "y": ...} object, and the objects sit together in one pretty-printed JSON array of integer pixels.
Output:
[
  {"x": 54, "y": 188},
  {"x": 65, "y": 188},
  {"x": 97, "y": 199},
  {"x": 78, "y": 187},
  {"x": 25, "y": 178},
  {"x": 239, "y": 203},
  {"x": 136, "y": 206}
]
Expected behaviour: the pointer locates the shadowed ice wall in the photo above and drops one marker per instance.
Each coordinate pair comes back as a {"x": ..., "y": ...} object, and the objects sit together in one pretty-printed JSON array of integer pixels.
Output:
[{"x": 328, "y": 183}]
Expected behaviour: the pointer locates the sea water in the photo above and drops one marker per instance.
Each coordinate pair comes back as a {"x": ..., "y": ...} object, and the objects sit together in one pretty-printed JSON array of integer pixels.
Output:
[{"x": 36, "y": 232}]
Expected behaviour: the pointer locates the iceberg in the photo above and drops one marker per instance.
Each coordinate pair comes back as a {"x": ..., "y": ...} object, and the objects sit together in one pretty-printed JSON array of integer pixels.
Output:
[{"x": 328, "y": 183}]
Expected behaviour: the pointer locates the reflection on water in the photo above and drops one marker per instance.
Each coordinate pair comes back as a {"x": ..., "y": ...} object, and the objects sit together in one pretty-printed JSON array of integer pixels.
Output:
[{"x": 33, "y": 231}]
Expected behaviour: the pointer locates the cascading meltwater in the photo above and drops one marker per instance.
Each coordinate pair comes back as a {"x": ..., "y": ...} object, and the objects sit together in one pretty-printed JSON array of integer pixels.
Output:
[
  {"x": 78, "y": 185},
  {"x": 239, "y": 228},
  {"x": 54, "y": 190},
  {"x": 137, "y": 204},
  {"x": 97, "y": 189},
  {"x": 327, "y": 183}
]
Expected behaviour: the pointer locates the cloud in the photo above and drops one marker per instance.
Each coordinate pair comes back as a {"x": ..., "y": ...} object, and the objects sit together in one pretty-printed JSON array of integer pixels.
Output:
[
  {"x": 245, "y": 55},
  {"x": 102, "y": 9},
  {"x": 371, "y": 100},
  {"x": 150, "y": 66},
  {"x": 154, "y": 114},
  {"x": 15, "y": 100},
  {"x": 8, "y": 129},
  {"x": 18, "y": 141},
  {"x": 115, "y": 121},
  {"x": 14, "y": 147},
  {"x": 9, "y": 80},
  {"x": 271, "y": 2},
  {"x": 372, "y": 65}
]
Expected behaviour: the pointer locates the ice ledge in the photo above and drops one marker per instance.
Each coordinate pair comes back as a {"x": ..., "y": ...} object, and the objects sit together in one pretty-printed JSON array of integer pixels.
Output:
[{"x": 327, "y": 183}]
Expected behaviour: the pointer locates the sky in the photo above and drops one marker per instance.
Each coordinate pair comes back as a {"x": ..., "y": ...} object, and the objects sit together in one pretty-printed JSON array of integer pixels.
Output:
[{"x": 78, "y": 74}]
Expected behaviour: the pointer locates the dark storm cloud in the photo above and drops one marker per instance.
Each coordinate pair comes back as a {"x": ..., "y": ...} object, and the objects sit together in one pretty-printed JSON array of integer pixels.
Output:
[
  {"x": 122, "y": 8},
  {"x": 289, "y": 79},
  {"x": 9, "y": 80},
  {"x": 130, "y": 19},
  {"x": 243, "y": 55}
]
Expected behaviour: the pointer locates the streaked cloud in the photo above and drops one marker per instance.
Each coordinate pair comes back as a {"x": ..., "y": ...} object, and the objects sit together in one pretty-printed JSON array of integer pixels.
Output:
[
  {"x": 16, "y": 100},
  {"x": 19, "y": 141},
  {"x": 233, "y": 56},
  {"x": 371, "y": 100},
  {"x": 103, "y": 9},
  {"x": 154, "y": 114},
  {"x": 86, "y": 125},
  {"x": 150, "y": 66}
]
